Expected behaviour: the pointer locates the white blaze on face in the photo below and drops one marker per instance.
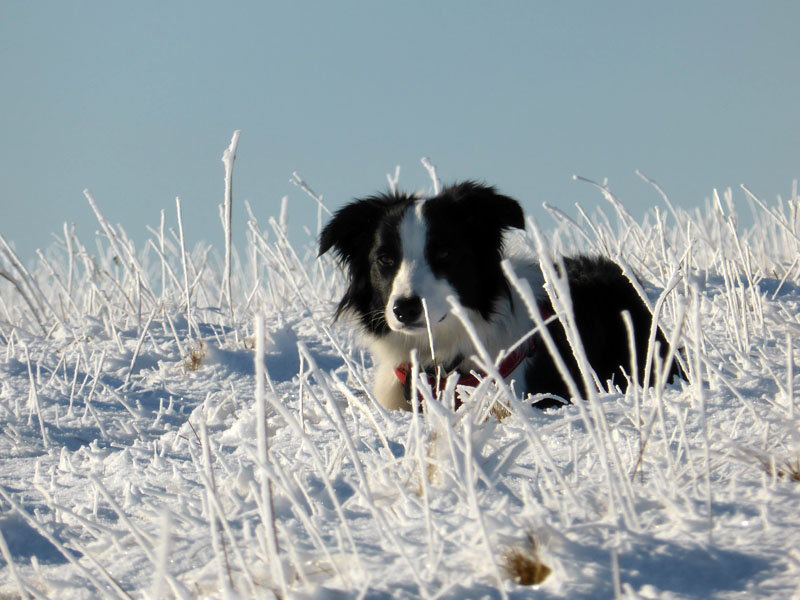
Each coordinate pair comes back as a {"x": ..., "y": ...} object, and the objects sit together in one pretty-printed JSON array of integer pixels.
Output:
[{"x": 414, "y": 276}]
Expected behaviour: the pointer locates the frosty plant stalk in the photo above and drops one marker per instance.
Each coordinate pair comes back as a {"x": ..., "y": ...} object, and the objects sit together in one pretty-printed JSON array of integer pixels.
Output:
[{"x": 228, "y": 158}]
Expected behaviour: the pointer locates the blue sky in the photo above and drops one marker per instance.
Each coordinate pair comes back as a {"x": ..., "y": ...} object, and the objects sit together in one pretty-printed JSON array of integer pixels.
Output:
[{"x": 137, "y": 101}]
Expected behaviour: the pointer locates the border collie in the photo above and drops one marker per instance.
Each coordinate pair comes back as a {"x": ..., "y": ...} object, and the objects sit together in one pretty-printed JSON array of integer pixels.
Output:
[{"x": 405, "y": 255}]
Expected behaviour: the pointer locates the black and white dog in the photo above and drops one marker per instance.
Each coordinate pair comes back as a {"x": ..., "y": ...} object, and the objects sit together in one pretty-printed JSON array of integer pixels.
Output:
[{"x": 400, "y": 250}]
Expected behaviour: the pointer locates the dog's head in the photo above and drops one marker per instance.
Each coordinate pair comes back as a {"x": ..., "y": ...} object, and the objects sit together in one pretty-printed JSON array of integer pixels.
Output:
[{"x": 399, "y": 250}]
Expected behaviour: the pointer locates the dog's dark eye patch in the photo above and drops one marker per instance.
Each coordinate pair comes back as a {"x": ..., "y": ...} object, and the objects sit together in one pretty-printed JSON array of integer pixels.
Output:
[
  {"x": 385, "y": 260},
  {"x": 386, "y": 254},
  {"x": 387, "y": 247},
  {"x": 443, "y": 251},
  {"x": 444, "y": 256}
]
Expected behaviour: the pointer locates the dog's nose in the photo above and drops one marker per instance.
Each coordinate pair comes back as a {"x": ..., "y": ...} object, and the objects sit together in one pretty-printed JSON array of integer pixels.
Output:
[{"x": 408, "y": 310}]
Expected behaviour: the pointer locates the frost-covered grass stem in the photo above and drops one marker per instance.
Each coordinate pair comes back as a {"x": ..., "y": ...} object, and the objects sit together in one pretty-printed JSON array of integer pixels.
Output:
[
  {"x": 228, "y": 158},
  {"x": 267, "y": 500}
]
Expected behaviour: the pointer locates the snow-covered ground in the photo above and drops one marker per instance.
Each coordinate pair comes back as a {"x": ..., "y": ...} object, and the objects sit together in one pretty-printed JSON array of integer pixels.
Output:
[{"x": 132, "y": 463}]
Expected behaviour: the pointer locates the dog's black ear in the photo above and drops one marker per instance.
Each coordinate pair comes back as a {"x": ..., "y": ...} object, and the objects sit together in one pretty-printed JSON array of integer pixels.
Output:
[
  {"x": 345, "y": 231},
  {"x": 485, "y": 205},
  {"x": 352, "y": 228}
]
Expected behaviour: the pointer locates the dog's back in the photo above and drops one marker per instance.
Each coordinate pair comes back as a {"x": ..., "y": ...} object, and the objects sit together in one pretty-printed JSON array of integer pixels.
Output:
[{"x": 599, "y": 293}]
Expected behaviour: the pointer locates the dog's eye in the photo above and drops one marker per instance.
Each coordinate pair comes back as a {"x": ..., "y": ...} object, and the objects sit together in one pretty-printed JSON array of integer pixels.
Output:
[{"x": 384, "y": 260}]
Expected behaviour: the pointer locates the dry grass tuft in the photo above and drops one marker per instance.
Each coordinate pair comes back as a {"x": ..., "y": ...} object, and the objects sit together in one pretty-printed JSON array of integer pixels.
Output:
[
  {"x": 522, "y": 565},
  {"x": 196, "y": 355},
  {"x": 788, "y": 470},
  {"x": 500, "y": 411}
]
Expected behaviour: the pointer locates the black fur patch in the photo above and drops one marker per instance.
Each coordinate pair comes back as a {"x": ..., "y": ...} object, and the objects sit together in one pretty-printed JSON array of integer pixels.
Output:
[{"x": 600, "y": 292}]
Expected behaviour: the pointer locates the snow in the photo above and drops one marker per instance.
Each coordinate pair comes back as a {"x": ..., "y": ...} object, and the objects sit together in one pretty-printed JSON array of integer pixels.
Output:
[{"x": 132, "y": 464}]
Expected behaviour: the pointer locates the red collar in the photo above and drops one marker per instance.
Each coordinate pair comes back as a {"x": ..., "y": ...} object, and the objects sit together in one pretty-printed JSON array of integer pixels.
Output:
[{"x": 507, "y": 366}]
